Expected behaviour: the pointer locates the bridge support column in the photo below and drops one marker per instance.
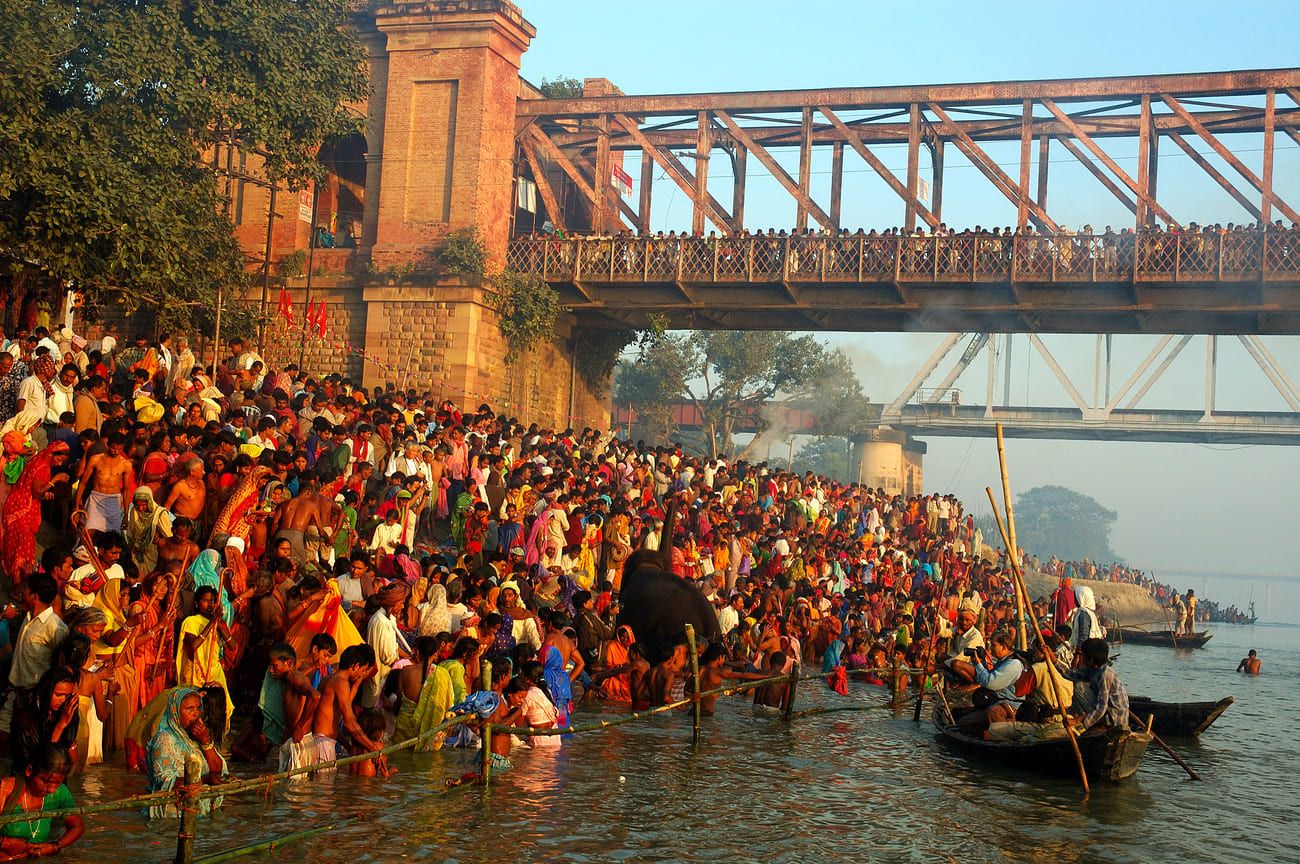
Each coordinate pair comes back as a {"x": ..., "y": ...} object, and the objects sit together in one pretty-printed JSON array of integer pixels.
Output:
[{"x": 889, "y": 459}]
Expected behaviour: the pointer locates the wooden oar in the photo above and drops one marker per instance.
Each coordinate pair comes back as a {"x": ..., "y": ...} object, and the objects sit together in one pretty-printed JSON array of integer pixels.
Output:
[{"x": 1165, "y": 747}]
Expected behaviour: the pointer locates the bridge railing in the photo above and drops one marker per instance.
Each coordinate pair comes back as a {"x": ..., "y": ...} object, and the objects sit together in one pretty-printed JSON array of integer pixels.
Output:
[{"x": 1245, "y": 256}]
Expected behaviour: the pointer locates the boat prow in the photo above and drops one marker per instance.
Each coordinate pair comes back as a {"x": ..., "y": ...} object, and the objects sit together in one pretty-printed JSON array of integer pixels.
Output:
[{"x": 1178, "y": 719}]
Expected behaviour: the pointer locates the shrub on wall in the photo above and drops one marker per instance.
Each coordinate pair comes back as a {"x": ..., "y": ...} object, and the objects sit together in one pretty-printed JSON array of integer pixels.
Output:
[{"x": 528, "y": 308}]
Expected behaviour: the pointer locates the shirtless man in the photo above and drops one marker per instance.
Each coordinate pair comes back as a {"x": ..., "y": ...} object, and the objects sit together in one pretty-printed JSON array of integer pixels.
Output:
[
  {"x": 190, "y": 493},
  {"x": 334, "y": 711},
  {"x": 713, "y": 672},
  {"x": 300, "y": 701},
  {"x": 770, "y": 698},
  {"x": 179, "y": 548},
  {"x": 657, "y": 685},
  {"x": 296, "y": 516},
  {"x": 106, "y": 485},
  {"x": 1249, "y": 664}
]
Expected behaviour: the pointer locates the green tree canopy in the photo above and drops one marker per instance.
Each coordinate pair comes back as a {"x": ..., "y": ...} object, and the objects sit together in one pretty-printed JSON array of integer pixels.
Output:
[
  {"x": 106, "y": 109},
  {"x": 731, "y": 375},
  {"x": 825, "y": 456},
  {"x": 1054, "y": 520}
]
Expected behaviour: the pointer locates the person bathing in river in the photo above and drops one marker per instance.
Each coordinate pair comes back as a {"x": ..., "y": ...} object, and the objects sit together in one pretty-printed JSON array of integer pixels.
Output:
[
  {"x": 770, "y": 699},
  {"x": 713, "y": 671},
  {"x": 1249, "y": 664}
]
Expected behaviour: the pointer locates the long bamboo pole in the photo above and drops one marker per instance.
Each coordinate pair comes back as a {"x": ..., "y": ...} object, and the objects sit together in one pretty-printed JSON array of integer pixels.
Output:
[
  {"x": 1049, "y": 659},
  {"x": 695, "y": 685},
  {"x": 1013, "y": 551}
]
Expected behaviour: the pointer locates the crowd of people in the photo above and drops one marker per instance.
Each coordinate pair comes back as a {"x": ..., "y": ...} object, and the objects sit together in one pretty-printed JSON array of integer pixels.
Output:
[
  {"x": 1187, "y": 610},
  {"x": 239, "y": 563}
]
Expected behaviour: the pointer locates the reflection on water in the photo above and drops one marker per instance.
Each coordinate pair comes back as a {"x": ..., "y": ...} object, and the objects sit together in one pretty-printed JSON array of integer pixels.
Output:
[{"x": 857, "y": 786}]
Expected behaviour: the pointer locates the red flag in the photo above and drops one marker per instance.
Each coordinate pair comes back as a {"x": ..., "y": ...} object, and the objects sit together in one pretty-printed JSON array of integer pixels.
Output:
[
  {"x": 320, "y": 319},
  {"x": 308, "y": 316},
  {"x": 286, "y": 305}
]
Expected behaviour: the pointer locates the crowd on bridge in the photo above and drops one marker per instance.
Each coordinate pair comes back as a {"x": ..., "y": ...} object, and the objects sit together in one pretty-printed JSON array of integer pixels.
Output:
[
  {"x": 1187, "y": 250},
  {"x": 260, "y": 565}
]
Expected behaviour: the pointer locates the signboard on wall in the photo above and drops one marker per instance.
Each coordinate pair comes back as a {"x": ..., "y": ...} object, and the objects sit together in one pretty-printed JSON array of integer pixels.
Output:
[{"x": 304, "y": 205}]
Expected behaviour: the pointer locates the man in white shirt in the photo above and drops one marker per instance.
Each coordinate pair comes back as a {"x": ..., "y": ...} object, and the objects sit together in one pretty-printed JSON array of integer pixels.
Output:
[
  {"x": 729, "y": 615},
  {"x": 387, "y": 641},
  {"x": 40, "y": 634}
]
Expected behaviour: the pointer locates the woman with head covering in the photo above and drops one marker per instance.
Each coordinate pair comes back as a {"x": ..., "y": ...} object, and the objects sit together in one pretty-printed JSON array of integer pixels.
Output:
[
  {"x": 435, "y": 617},
  {"x": 182, "y": 734},
  {"x": 21, "y": 514},
  {"x": 146, "y": 524},
  {"x": 1085, "y": 625},
  {"x": 618, "y": 688},
  {"x": 206, "y": 572}
]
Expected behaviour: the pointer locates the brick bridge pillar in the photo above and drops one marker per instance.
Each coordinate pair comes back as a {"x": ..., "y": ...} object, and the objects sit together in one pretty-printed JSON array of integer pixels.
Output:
[{"x": 445, "y": 79}]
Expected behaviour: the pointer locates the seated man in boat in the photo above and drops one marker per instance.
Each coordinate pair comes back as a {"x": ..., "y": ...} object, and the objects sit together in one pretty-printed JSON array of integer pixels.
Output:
[
  {"x": 965, "y": 642},
  {"x": 1249, "y": 664},
  {"x": 996, "y": 700},
  {"x": 1105, "y": 692}
]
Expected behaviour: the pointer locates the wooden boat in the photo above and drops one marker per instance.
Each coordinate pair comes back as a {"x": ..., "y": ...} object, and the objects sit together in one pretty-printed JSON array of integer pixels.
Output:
[
  {"x": 1110, "y": 756},
  {"x": 1161, "y": 638},
  {"x": 1177, "y": 719}
]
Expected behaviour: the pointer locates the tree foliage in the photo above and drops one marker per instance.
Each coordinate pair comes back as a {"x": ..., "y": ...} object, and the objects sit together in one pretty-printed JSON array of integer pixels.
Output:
[
  {"x": 560, "y": 87},
  {"x": 730, "y": 376},
  {"x": 825, "y": 456},
  {"x": 1054, "y": 520},
  {"x": 106, "y": 110}
]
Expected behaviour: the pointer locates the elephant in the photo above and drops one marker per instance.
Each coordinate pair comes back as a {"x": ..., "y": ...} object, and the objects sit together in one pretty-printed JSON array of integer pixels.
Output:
[{"x": 657, "y": 604}]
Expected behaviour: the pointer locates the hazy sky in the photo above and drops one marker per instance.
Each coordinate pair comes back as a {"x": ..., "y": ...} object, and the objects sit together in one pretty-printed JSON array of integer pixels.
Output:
[{"x": 1181, "y": 507}]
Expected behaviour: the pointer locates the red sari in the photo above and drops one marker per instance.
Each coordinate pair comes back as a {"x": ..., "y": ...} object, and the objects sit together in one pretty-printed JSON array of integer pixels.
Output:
[{"x": 22, "y": 513}]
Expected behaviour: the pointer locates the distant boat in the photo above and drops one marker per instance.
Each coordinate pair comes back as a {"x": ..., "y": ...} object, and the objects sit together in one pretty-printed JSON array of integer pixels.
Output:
[
  {"x": 1162, "y": 638},
  {"x": 1176, "y": 719}
]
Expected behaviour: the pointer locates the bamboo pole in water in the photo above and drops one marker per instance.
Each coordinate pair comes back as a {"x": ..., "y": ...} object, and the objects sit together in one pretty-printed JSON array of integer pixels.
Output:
[
  {"x": 695, "y": 685},
  {"x": 188, "y": 805},
  {"x": 266, "y": 845},
  {"x": 1049, "y": 658},
  {"x": 1013, "y": 551},
  {"x": 485, "y": 772},
  {"x": 789, "y": 695}
]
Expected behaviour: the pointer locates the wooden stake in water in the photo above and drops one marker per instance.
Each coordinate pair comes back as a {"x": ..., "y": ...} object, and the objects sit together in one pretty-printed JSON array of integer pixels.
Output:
[
  {"x": 485, "y": 772},
  {"x": 188, "y": 805},
  {"x": 695, "y": 684},
  {"x": 789, "y": 695}
]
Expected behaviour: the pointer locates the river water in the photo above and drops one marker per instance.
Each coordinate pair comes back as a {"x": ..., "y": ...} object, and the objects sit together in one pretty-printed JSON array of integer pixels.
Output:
[{"x": 864, "y": 785}]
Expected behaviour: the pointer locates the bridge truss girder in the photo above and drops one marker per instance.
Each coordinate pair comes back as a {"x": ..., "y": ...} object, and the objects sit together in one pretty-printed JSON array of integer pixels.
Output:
[
  {"x": 569, "y": 146},
  {"x": 1110, "y": 414}
]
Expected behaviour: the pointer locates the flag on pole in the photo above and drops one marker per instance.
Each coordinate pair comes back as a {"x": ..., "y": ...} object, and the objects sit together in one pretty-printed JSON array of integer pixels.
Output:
[
  {"x": 286, "y": 305},
  {"x": 320, "y": 319}
]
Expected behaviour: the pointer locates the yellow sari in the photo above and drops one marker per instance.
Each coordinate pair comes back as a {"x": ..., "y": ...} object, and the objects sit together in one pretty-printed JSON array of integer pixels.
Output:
[{"x": 328, "y": 618}]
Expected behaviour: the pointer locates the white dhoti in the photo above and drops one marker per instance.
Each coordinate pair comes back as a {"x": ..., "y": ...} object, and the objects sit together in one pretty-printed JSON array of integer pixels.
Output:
[
  {"x": 103, "y": 511},
  {"x": 298, "y": 754}
]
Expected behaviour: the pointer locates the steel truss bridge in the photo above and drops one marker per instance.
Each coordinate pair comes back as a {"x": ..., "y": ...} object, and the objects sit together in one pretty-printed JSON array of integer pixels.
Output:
[
  {"x": 1240, "y": 282},
  {"x": 1147, "y": 280},
  {"x": 1111, "y": 410},
  {"x": 1163, "y": 274}
]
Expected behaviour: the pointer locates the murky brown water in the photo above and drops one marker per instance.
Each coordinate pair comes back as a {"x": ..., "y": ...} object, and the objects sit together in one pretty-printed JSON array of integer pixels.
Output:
[{"x": 845, "y": 786}]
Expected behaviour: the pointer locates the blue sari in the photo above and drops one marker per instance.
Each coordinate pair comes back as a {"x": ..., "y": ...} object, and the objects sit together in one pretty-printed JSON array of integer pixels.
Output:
[
  {"x": 168, "y": 751},
  {"x": 558, "y": 682}
]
